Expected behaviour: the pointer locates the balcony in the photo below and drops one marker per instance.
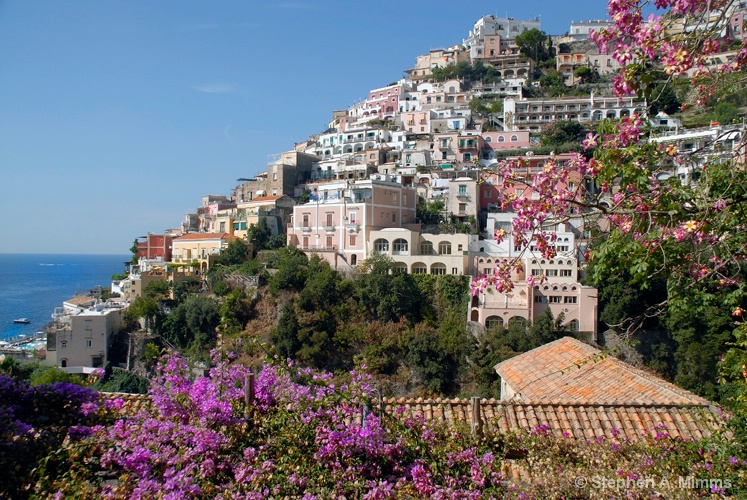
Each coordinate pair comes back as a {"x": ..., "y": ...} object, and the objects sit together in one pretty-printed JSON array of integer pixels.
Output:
[
  {"x": 306, "y": 229},
  {"x": 352, "y": 227},
  {"x": 463, "y": 196},
  {"x": 319, "y": 248}
]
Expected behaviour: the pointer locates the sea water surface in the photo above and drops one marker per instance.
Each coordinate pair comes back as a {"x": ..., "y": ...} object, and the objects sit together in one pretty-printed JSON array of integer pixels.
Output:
[{"x": 32, "y": 285}]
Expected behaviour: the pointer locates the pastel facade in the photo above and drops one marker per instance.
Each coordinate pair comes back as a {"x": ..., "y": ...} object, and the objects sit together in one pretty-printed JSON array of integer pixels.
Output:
[
  {"x": 421, "y": 253},
  {"x": 276, "y": 210},
  {"x": 441, "y": 58},
  {"x": 418, "y": 122},
  {"x": 384, "y": 102},
  {"x": 337, "y": 221},
  {"x": 79, "y": 341},
  {"x": 200, "y": 248},
  {"x": 537, "y": 114},
  {"x": 527, "y": 303},
  {"x": 283, "y": 173},
  {"x": 463, "y": 198}
]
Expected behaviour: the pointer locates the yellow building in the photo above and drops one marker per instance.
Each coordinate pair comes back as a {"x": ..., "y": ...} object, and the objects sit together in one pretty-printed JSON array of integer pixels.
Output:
[{"x": 202, "y": 248}]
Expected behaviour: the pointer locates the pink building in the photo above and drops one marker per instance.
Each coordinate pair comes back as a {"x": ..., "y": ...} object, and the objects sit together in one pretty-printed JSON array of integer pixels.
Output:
[
  {"x": 337, "y": 221},
  {"x": 418, "y": 122},
  {"x": 490, "y": 190},
  {"x": 577, "y": 303},
  {"x": 383, "y": 102},
  {"x": 511, "y": 139}
]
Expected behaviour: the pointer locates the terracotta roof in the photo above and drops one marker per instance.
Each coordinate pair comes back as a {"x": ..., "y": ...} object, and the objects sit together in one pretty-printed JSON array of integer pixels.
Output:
[
  {"x": 205, "y": 236},
  {"x": 131, "y": 403},
  {"x": 263, "y": 198},
  {"x": 571, "y": 372},
  {"x": 80, "y": 300},
  {"x": 579, "y": 421}
]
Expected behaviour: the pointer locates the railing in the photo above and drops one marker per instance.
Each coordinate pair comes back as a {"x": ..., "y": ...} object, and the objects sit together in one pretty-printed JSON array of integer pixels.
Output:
[{"x": 319, "y": 248}]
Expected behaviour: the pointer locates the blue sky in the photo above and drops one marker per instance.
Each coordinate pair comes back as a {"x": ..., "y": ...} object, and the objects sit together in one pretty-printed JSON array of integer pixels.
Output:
[{"x": 116, "y": 117}]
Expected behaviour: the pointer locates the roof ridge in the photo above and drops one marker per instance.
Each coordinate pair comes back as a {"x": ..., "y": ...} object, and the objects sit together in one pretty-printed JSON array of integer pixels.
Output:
[
  {"x": 561, "y": 340},
  {"x": 658, "y": 381}
]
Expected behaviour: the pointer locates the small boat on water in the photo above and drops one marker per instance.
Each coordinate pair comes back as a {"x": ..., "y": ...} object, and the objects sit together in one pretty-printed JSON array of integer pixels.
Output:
[{"x": 24, "y": 321}]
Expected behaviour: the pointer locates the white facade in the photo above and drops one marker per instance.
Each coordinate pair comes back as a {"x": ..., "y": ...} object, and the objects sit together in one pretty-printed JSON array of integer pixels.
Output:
[{"x": 80, "y": 341}]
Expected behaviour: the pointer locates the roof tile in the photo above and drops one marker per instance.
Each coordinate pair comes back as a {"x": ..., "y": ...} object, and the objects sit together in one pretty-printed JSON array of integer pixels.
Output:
[{"x": 571, "y": 371}]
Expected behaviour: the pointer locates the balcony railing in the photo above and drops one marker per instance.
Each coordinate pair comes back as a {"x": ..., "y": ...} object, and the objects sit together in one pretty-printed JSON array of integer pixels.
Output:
[{"x": 319, "y": 248}]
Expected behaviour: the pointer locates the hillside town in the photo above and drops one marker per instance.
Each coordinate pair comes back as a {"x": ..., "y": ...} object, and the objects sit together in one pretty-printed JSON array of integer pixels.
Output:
[
  {"x": 408, "y": 172},
  {"x": 354, "y": 280}
]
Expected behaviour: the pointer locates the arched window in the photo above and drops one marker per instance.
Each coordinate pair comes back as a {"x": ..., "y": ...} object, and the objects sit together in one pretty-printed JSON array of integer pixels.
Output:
[
  {"x": 573, "y": 325},
  {"x": 488, "y": 139},
  {"x": 63, "y": 363},
  {"x": 63, "y": 344},
  {"x": 493, "y": 322},
  {"x": 419, "y": 268},
  {"x": 400, "y": 247},
  {"x": 400, "y": 267},
  {"x": 381, "y": 245},
  {"x": 514, "y": 138},
  {"x": 426, "y": 248},
  {"x": 444, "y": 248},
  {"x": 501, "y": 138},
  {"x": 438, "y": 269}
]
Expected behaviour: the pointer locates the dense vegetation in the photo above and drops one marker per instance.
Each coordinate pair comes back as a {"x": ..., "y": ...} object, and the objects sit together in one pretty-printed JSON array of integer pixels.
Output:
[{"x": 308, "y": 435}]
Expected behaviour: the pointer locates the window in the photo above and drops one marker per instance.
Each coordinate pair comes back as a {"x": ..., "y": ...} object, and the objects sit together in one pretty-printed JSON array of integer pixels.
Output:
[
  {"x": 381, "y": 246},
  {"x": 493, "y": 322},
  {"x": 444, "y": 248},
  {"x": 426, "y": 248},
  {"x": 459, "y": 247},
  {"x": 537, "y": 272},
  {"x": 352, "y": 216},
  {"x": 89, "y": 343},
  {"x": 329, "y": 219},
  {"x": 540, "y": 299},
  {"x": 419, "y": 268},
  {"x": 566, "y": 273},
  {"x": 306, "y": 220},
  {"x": 63, "y": 344},
  {"x": 352, "y": 240},
  {"x": 570, "y": 300},
  {"x": 487, "y": 194},
  {"x": 394, "y": 217},
  {"x": 573, "y": 325},
  {"x": 514, "y": 138},
  {"x": 552, "y": 272},
  {"x": 400, "y": 246},
  {"x": 454, "y": 270},
  {"x": 462, "y": 208},
  {"x": 438, "y": 269},
  {"x": 554, "y": 299},
  {"x": 462, "y": 190}
]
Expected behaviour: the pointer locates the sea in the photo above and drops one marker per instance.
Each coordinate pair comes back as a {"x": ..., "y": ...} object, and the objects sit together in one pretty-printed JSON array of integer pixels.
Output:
[{"x": 32, "y": 285}]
